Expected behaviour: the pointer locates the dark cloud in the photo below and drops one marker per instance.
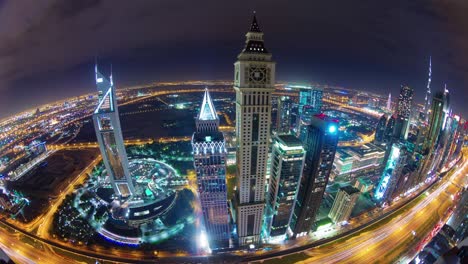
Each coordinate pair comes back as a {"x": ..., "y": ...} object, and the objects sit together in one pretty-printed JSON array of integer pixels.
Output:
[{"x": 47, "y": 47}]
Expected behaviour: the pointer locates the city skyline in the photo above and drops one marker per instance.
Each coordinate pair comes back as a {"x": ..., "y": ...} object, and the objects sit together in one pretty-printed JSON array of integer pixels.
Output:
[
  {"x": 241, "y": 171},
  {"x": 372, "y": 61}
]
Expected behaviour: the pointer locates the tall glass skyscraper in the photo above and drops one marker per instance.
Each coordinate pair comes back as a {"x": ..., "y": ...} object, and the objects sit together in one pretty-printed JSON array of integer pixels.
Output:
[
  {"x": 390, "y": 128},
  {"x": 435, "y": 122},
  {"x": 283, "y": 116},
  {"x": 109, "y": 136},
  {"x": 286, "y": 170},
  {"x": 310, "y": 96},
  {"x": 209, "y": 159},
  {"x": 320, "y": 145},
  {"x": 403, "y": 111},
  {"x": 310, "y": 103},
  {"x": 254, "y": 81},
  {"x": 391, "y": 173},
  {"x": 380, "y": 130},
  {"x": 308, "y": 113}
]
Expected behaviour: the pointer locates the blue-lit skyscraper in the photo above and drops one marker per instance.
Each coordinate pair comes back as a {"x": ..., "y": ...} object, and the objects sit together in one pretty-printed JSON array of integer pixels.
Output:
[
  {"x": 209, "y": 155},
  {"x": 310, "y": 103},
  {"x": 308, "y": 113},
  {"x": 109, "y": 136},
  {"x": 320, "y": 145},
  {"x": 310, "y": 96},
  {"x": 392, "y": 172},
  {"x": 286, "y": 170}
]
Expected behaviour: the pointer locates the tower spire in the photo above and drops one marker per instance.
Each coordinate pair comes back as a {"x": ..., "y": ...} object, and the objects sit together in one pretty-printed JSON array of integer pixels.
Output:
[
  {"x": 207, "y": 118},
  {"x": 207, "y": 109},
  {"x": 254, "y": 27},
  {"x": 427, "y": 99}
]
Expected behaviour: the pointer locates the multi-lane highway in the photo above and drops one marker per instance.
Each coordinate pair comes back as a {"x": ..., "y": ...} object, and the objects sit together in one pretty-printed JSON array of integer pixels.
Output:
[{"x": 394, "y": 238}]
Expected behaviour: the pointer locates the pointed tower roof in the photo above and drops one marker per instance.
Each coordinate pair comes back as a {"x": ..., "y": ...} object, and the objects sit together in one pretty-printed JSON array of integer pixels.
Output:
[
  {"x": 106, "y": 93},
  {"x": 103, "y": 84},
  {"x": 207, "y": 109},
  {"x": 254, "y": 42},
  {"x": 254, "y": 27}
]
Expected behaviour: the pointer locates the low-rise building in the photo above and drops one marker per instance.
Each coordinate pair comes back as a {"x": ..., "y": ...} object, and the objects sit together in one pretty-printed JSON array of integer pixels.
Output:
[
  {"x": 344, "y": 203},
  {"x": 363, "y": 184},
  {"x": 353, "y": 162}
]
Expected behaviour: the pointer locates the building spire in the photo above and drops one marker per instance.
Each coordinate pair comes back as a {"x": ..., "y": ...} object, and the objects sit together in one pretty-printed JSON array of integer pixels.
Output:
[
  {"x": 207, "y": 120},
  {"x": 254, "y": 27},
  {"x": 207, "y": 109},
  {"x": 427, "y": 99}
]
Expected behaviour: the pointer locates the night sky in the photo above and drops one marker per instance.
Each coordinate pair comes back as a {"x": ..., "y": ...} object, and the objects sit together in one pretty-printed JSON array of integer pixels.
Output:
[{"x": 47, "y": 47}]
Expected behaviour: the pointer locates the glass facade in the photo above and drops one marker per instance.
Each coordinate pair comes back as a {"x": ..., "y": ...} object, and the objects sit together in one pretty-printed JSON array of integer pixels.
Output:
[
  {"x": 310, "y": 103},
  {"x": 109, "y": 136},
  {"x": 286, "y": 170},
  {"x": 391, "y": 173},
  {"x": 284, "y": 115},
  {"x": 112, "y": 155},
  {"x": 310, "y": 96},
  {"x": 320, "y": 146}
]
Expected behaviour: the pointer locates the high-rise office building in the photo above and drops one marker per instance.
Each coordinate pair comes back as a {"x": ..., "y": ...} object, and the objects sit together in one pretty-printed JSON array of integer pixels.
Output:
[
  {"x": 448, "y": 139},
  {"x": 286, "y": 170},
  {"x": 403, "y": 111},
  {"x": 435, "y": 121},
  {"x": 446, "y": 109},
  {"x": 253, "y": 82},
  {"x": 455, "y": 134},
  {"x": 441, "y": 141},
  {"x": 320, "y": 146},
  {"x": 209, "y": 159},
  {"x": 308, "y": 113},
  {"x": 389, "y": 129},
  {"x": 343, "y": 204},
  {"x": 421, "y": 137},
  {"x": 109, "y": 136},
  {"x": 310, "y": 103},
  {"x": 391, "y": 173},
  {"x": 284, "y": 114},
  {"x": 310, "y": 96},
  {"x": 380, "y": 130}
]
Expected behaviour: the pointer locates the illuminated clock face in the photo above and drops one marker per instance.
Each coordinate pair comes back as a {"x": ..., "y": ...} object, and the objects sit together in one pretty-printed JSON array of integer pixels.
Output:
[{"x": 257, "y": 74}]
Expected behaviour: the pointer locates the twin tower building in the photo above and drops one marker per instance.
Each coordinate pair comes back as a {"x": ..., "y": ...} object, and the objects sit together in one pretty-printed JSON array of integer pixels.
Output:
[{"x": 299, "y": 172}]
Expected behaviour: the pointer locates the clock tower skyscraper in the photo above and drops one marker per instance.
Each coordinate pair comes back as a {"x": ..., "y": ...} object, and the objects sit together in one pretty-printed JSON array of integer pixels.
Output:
[{"x": 254, "y": 79}]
